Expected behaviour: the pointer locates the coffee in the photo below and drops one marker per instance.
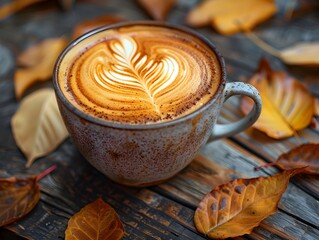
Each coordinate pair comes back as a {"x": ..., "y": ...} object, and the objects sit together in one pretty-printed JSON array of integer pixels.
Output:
[
  {"x": 118, "y": 87},
  {"x": 140, "y": 75}
]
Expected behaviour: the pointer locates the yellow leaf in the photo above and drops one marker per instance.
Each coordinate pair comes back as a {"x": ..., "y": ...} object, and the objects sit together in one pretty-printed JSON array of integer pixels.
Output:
[
  {"x": 235, "y": 208},
  {"x": 231, "y": 16},
  {"x": 96, "y": 221},
  {"x": 37, "y": 125},
  {"x": 39, "y": 61},
  {"x": 301, "y": 54},
  {"x": 287, "y": 104}
]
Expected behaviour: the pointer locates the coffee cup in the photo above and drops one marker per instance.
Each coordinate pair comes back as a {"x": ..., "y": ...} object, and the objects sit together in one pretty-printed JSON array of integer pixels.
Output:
[{"x": 140, "y": 99}]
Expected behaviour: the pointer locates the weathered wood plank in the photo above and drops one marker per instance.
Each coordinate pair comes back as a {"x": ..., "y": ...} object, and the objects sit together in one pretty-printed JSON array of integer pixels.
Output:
[{"x": 75, "y": 183}]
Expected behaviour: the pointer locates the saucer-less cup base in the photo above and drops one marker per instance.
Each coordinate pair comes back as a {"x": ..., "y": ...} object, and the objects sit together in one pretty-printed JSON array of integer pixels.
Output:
[{"x": 142, "y": 155}]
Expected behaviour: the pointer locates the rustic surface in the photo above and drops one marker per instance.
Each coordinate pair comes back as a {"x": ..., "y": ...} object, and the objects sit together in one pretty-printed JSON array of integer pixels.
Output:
[{"x": 164, "y": 211}]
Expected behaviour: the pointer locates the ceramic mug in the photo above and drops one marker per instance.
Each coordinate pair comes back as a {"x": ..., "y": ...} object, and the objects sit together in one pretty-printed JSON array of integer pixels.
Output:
[{"x": 147, "y": 154}]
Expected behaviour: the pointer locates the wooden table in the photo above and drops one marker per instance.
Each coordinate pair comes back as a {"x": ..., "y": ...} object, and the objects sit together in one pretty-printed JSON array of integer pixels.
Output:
[{"x": 164, "y": 211}]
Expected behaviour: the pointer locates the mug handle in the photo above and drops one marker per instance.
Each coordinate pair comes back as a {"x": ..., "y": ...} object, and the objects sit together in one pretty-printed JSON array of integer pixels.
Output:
[{"x": 238, "y": 88}]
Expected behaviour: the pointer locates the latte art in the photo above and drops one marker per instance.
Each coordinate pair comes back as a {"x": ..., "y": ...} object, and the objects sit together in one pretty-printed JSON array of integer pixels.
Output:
[{"x": 146, "y": 75}]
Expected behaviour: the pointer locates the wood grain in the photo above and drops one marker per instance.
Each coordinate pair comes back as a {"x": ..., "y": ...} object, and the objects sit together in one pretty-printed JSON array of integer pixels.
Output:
[{"x": 164, "y": 211}]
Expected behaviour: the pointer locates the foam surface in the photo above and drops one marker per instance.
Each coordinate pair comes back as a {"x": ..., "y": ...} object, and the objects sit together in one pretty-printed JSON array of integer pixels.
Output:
[{"x": 141, "y": 74}]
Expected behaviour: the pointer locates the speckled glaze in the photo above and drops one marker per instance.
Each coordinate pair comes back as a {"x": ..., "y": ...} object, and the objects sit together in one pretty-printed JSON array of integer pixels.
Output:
[{"x": 142, "y": 155}]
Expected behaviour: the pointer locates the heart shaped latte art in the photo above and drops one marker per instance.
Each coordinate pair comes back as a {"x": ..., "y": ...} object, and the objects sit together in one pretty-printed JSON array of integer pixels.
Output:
[
  {"x": 137, "y": 74},
  {"x": 139, "y": 80}
]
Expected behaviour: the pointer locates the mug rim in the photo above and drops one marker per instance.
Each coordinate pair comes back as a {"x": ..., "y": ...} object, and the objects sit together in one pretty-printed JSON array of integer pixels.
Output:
[{"x": 155, "y": 125}]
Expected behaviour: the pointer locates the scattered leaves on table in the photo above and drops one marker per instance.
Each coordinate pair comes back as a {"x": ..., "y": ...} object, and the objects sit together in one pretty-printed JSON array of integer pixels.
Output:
[
  {"x": 37, "y": 125},
  {"x": 235, "y": 208},
  {"x": 91, "y": 24},
  {"x": 231, "y": 16},
  {"x": 17, "y": 198},
  {"x": 15, "y": 6},
  {"x": 97, "y": 221},
  {"x": 288, "y": 106},
  {"x": 306, "y": 155},
  {"x": 157, "y": 9},
  {"x": 301, "y": 54},
  {"x": 39, "y": 62}
]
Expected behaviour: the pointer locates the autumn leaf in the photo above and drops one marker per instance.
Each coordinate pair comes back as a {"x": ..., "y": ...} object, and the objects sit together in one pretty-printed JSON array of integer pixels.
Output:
[
  {"x": 37, "y": 125},
  {"x": 19, "y": 196},
  {"x": 157, "y": 9},
  {"x": 301, "y": 54},
  {"x": 96, "y": 221},
  {"x": 231, "y": 16},
  {"x": 39, "y": 61},
  {"x": 287, "y": 104},
  {"x": 91, "y": 24},
  {"x": 235, "y": 208},
  {"x": 306, "y": 155},
  {"x": 15, "y": 6}
]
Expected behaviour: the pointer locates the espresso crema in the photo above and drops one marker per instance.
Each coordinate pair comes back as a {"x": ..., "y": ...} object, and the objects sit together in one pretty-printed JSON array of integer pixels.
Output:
[{"x": 139, "y": 74}]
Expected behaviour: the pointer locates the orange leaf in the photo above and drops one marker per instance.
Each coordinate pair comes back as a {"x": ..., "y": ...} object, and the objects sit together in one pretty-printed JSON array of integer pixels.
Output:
[
  {"x": 91, "y": 24},
  {"x": 287, "y": 104},
  {"x": 231, "y": 16},
  {"x": 96, "y": 221},
  {"x": 17, "y": 198},
  {"x": 301, "y": 156},
  {"x": 235, "y": 208},
  {"x": 157, "y": 9},
  {"x": 40, "y": 60},
  {"x": 301, "y": 54}
]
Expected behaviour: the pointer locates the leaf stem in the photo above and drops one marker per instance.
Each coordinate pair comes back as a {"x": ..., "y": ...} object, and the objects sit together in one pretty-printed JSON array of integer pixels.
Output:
[
  {"x": 263, "y": 45},
  {"x": 265, "y": 165},
  {"x": 46, "y": 172}
]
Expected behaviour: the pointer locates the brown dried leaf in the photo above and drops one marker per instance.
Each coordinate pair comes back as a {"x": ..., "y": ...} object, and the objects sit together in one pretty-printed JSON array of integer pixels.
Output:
[
  {"x": 15, "y": 6},
  {"x": 96, "y": 221},
  {"x": 235, "y": 208},
  {"x": 37, "y": 125},
  {"x": 287, "y": 104},
  {"x": 301, "y": 54},
  {"x": 157, "y": 9},
  {"x": 39, "y": 61},
  {"x": 17, "y": 198},
  {"x": 231, "y": 16},
  {"x": 91, "y": 24},
  {"x": 301, "y": 156}
]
